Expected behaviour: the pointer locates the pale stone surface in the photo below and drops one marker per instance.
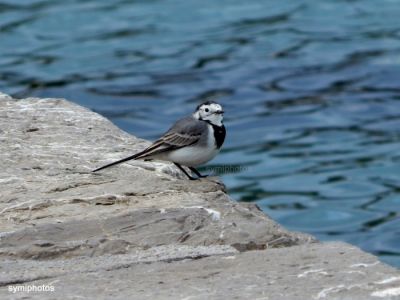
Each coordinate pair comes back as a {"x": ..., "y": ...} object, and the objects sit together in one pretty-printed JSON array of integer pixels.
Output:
[
  {"x": 141, "y": 230},
  {"x": 316, "y": 271}
]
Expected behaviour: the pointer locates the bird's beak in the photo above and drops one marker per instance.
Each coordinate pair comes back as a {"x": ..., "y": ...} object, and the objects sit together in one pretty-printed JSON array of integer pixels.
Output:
[{"x": 219, "y": 112}]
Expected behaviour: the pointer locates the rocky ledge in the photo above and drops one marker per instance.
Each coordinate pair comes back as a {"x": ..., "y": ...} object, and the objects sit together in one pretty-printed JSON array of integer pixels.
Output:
[{"x": 141, "y": 230}]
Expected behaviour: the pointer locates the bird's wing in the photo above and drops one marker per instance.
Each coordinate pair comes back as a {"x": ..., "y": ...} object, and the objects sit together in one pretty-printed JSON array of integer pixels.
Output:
[{"x": 184, "y": 133}]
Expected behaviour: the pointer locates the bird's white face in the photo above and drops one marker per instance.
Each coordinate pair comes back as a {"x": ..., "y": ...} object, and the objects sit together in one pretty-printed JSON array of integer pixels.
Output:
[{"x": 211, "y": 112}]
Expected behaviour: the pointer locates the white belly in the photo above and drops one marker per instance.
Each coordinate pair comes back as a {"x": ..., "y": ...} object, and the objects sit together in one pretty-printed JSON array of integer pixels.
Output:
[{"x": 192, "y": 156}]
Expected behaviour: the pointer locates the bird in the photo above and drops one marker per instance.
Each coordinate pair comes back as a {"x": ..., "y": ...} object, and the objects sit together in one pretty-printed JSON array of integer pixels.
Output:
[{"x": 191, "y": 141}]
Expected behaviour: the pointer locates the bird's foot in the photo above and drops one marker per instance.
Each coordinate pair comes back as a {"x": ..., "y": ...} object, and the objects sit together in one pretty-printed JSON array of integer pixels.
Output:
[{"x": 197, "y": 173}]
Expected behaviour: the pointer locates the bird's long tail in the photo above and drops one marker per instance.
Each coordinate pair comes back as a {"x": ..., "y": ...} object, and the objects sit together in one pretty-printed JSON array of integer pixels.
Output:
[{"x": 135, "y": 156}]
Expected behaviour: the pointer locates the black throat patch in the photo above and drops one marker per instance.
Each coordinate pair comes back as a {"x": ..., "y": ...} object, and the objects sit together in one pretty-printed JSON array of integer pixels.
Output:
[{"x": 219, "y": 134}]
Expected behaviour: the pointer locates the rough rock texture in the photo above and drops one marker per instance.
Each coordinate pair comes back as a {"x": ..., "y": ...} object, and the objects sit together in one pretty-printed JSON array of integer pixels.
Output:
[
  {"x": 316, "y": 271},
  {"x": 141, "y": 230}
]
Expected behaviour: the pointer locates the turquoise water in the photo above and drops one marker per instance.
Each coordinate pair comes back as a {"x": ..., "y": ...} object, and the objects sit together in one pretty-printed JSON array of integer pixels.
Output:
[{"x": 311, "y": 92}]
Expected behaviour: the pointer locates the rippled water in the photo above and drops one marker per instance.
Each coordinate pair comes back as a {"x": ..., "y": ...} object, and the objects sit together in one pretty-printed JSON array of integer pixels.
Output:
[{"x": 311, "y": 91}]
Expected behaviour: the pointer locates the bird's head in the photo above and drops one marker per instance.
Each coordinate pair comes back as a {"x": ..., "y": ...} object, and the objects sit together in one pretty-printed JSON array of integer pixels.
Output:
[{"x": 211, "y": 112}]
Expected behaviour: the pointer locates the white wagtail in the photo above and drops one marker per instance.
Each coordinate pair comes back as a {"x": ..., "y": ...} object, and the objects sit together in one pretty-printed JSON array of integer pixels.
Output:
[{"x": 191, "y": 141}]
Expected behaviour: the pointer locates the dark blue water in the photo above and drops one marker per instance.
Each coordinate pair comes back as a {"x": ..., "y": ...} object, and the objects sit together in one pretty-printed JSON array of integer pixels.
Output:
[{"x": 311, "y": 91}]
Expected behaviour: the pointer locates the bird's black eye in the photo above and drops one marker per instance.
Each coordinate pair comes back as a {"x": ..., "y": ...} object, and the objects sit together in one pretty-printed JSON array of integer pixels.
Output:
[{"x": 206, "y": 110}]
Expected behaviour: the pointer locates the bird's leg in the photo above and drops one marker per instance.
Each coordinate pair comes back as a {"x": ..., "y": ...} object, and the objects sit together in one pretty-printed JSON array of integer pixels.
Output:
[
  {"x": 183, "y": 170},
  {"x": 197, "y": 172}
]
